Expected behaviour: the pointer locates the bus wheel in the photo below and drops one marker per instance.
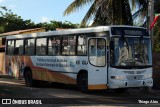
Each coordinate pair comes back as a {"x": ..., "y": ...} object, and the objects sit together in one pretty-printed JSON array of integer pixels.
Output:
[
  {"x": 28, "y": 79},
  {"x": 83, "y": 83}
]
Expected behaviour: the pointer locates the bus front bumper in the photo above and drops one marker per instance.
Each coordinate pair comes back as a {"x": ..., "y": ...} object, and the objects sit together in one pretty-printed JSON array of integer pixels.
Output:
[{"x": 127, "y": 84}]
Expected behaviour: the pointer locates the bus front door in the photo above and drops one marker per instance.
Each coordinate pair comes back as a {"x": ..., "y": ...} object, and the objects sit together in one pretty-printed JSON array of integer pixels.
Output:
[{"x": 97, "y": 66}]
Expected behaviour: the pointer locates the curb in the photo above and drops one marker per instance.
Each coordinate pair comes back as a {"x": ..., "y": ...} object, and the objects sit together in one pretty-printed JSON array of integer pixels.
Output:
[{"x": 5, "y": 76}]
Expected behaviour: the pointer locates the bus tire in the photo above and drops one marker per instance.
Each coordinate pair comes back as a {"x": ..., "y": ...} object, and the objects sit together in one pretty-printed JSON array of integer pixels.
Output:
[
  {"x": 83, "y": 83},
  {"x": 28, "y": 79}
]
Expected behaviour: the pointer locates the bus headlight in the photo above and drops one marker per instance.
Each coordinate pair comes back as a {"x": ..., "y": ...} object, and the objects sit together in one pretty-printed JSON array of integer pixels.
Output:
[
  {"x": 118, "y": 77},
  {"x": 148, "y": 76}
]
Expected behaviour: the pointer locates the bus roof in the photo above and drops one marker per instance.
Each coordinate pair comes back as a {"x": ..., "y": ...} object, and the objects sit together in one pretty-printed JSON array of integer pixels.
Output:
[{"x": 68, "y": 31}]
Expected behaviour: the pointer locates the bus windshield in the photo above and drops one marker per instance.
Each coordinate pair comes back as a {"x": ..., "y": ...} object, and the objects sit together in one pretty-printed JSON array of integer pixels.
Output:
[{"x": 131, "y": 52}]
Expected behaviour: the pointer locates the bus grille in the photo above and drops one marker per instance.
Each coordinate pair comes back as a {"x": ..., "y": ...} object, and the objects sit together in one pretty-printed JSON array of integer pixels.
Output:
[
  {"x": 129, "y": 72},
  {"x": 134, "y": 77},
  {"x": 135, "y": 72}
]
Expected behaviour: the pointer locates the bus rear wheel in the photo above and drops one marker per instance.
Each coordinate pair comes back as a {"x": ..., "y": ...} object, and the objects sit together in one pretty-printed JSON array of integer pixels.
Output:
[
  {"x": 83, "y": 83},
  {"x": 29, "y": 80}
]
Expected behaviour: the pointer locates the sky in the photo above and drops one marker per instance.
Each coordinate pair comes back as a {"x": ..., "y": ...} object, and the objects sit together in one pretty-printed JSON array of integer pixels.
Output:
[{"x": 44, "y": 10}]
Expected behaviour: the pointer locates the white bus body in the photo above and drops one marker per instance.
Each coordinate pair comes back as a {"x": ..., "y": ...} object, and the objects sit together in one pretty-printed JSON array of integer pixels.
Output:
[{"x": 93, "y": 58}]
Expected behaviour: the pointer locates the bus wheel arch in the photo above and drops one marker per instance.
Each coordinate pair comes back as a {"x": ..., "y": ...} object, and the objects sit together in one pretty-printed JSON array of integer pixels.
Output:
[
  {"x": 28, "y": 77},
  {"x": 25, "y": 70},
  {"x": 82, "y": 80}
]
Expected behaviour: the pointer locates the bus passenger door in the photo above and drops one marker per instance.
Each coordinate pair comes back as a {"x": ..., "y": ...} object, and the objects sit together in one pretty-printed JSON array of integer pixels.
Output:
[{"x": 97, "y": 66}]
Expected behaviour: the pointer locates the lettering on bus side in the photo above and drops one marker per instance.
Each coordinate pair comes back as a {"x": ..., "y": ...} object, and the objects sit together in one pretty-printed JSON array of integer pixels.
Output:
[
  {"x": 78, "y": 62},
  {"x": 84, "y": 62},
  {"x": 59, "y": 62}
]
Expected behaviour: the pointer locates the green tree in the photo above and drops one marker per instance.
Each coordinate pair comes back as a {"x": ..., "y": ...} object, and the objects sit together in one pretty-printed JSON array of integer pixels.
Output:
[
  {"x": 156, "y": 29},
  {"x": 52, "y": 25},
  {"x": 157, "y": 6},
  {"x": 2, "y": 8},
  {"x": 106, "y": 12},
  {"x": 117, "y": 12},
  {"x": 12, "y": 22}
]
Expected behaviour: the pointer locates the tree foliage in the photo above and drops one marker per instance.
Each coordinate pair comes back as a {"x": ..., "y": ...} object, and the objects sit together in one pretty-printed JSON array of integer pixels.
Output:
[
  {"x": 156, "y": 29},
  {"x": 12, "y": 22},
  {"x": 110, "y": 12},
  {"x": 57, "y": 24},
  {"x": 127, "y": 12},
  {"x": 157, "y": 6},
  {"x": 117, "y": 12},
  {"x": 156, "y": 37}
]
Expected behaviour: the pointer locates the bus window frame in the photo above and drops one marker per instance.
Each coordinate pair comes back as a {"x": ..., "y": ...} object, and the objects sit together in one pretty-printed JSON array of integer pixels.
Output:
[
  {"x": 7, "y": 46},
  {"x": 18, "y": 47},
  {"x": 83, "y": 34},
  {"x": 34, "y": 46},
  {"x": 62, "y": 38},
  {"x": 88, "y": 35},
  {"x": 76, "y": 48},
  {"x": 68, "y": 44},
  {"x": 48, "y": 37},
  {"x": 105, "y": 51}
]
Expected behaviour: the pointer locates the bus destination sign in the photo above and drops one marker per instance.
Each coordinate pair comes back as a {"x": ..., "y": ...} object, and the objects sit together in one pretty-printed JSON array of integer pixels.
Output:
[{"x": 129, "y": 31}]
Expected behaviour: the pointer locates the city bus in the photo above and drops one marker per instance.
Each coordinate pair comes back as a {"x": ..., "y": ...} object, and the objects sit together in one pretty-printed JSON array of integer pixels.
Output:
[{"x": 96, "y": 58}]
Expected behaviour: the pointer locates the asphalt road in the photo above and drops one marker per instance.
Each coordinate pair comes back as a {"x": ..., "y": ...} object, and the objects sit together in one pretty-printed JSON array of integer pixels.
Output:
[{"x": 60, "y": 94}]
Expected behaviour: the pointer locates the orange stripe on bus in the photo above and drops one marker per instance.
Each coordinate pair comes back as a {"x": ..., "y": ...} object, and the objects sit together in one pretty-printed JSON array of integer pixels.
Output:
[
  {"x": 48, "y": 75},
  {"x": 97, "y": 87},
  {"x": 38, "y": 73}
]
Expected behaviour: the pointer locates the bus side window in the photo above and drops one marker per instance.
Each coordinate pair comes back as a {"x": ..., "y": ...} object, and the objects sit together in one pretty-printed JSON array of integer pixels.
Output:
[
  {"x": 41, "y": 44},
  {"x": 65, "y": 47},
  {"x": 82, "y": 46},
  {"x": 54, "y": 45},
  {"x": 97, "y": 52},
  {"x": 18, "y": 50},
  {"x": 72, "y": 45},
  {"x": 69, "y": 45},
  {"x": 10, "y": 47},
  {"x": 29, "y": 46}
]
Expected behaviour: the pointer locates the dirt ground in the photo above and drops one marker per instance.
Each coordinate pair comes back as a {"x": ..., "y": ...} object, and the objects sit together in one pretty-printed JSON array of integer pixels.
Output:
[{"x": 67, "y": 95}]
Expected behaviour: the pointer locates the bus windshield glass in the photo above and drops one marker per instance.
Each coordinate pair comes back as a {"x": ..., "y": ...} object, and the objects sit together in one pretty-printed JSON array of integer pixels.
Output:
[{"x": 131, "y": 52}]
